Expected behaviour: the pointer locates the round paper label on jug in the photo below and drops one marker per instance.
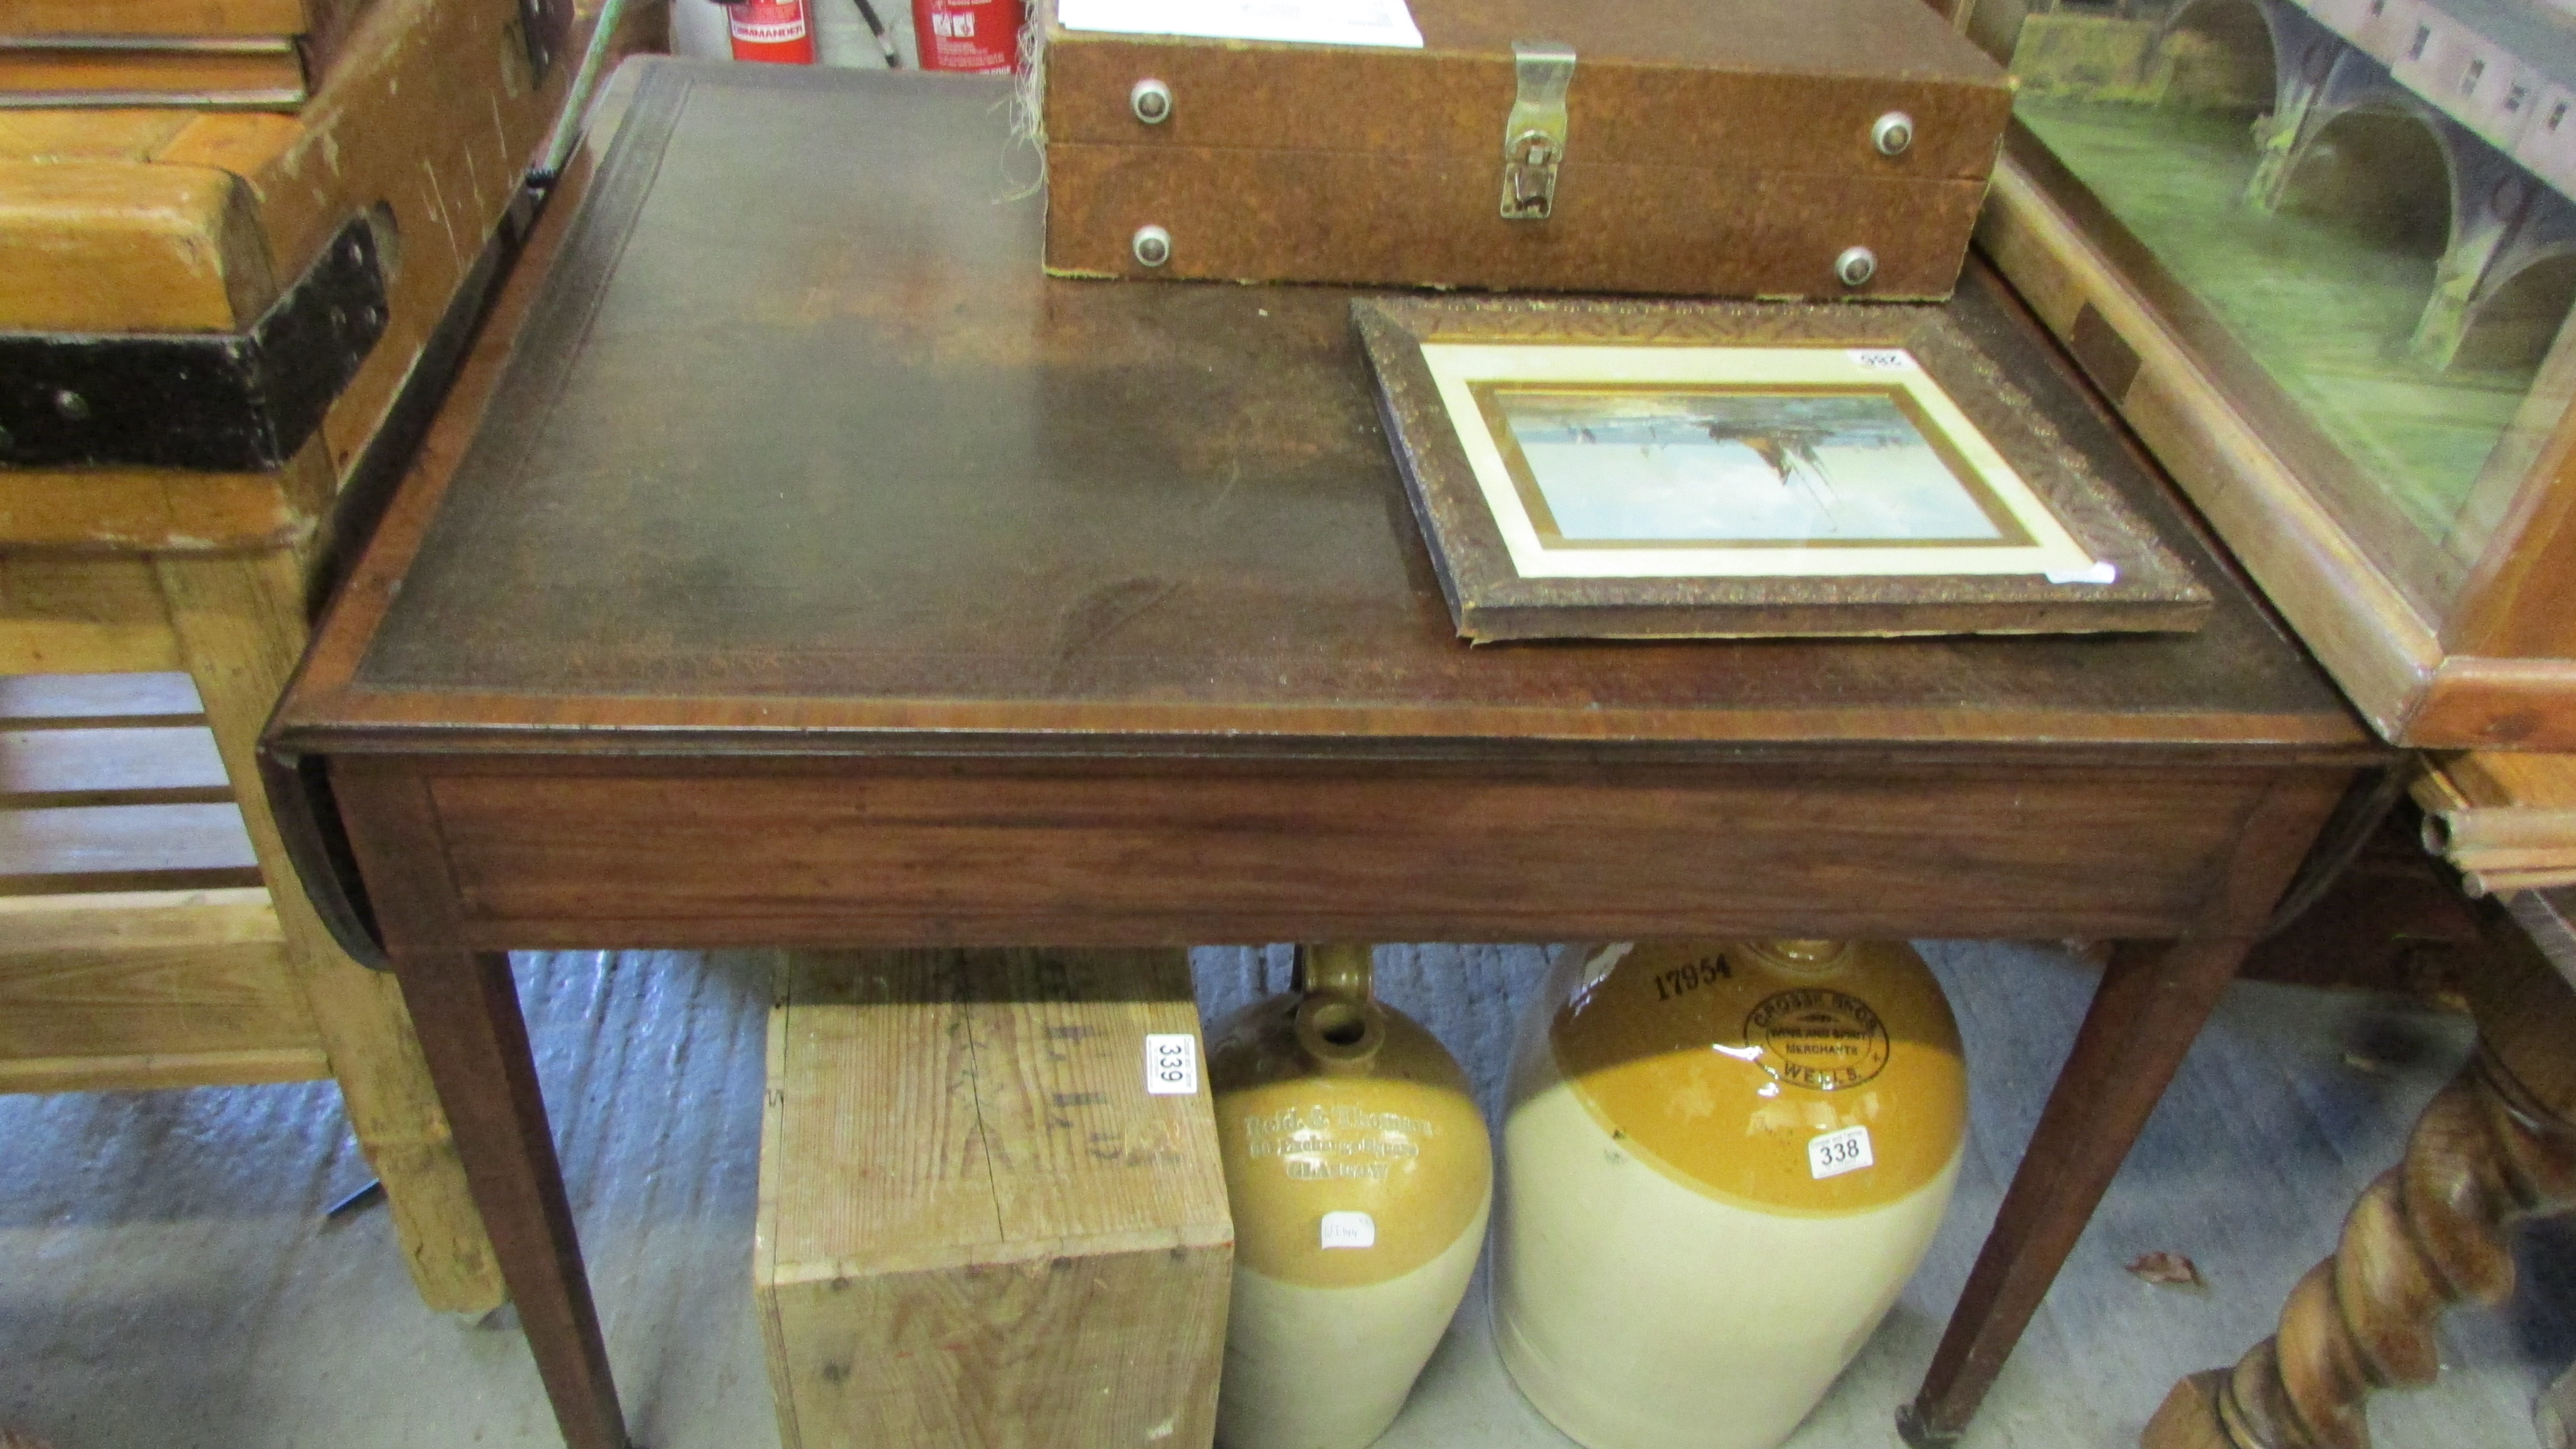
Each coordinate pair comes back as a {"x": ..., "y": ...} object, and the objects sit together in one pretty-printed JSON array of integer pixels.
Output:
[
  {"x": 1819, "y": 1038},
  {"x": 1349, "y": 1230}
]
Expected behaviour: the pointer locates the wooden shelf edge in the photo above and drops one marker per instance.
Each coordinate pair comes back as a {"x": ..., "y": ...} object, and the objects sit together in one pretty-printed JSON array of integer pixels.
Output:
[{"x": 164, "y": 1071}]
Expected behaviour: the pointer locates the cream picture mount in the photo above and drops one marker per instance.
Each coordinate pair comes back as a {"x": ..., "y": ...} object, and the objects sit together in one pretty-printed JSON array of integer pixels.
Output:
[{"x": 2088, "y": 561}]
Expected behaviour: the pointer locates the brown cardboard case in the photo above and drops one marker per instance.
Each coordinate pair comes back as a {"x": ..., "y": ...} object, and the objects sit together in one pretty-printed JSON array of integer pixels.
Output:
[{"x": 1716, "y": 147}]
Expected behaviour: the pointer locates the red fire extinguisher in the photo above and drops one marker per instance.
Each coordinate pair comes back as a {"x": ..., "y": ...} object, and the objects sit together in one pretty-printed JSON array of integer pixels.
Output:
[
  {"x": 969, "y": 35},
  {"x": 774, "y": 31}
]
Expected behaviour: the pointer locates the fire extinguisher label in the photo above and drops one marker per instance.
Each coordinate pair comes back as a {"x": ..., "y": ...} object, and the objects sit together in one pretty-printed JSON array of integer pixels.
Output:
[
  {"x": 768, "y": 24},
  {"x": 968, "y": 35}
]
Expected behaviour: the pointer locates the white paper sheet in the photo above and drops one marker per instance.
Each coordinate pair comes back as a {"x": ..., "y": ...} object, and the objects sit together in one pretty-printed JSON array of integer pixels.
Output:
[{"x": 1310, "y": 22}]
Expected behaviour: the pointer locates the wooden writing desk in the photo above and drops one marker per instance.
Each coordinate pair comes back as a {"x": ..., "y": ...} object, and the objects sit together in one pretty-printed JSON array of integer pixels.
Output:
[{"x": 824, "y": 575}]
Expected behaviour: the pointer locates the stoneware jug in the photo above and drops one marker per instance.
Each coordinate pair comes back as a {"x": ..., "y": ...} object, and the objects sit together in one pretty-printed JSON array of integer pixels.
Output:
[
  {"x": 1360, "y": 1175},
  {"x": 1722, "y": 1161}
]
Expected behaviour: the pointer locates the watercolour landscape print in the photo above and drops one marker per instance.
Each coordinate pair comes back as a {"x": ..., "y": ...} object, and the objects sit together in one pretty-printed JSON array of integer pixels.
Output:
[
  {"x": 1638, "y": 462},
  {"x": 1659, "y": 467}
]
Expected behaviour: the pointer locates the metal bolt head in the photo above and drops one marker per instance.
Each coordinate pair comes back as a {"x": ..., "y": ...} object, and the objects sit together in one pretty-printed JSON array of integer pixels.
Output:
[
  {"x": 71, "y": 405},
  {"x": 1153, "y": 245},
  {"x": 1892, "y": 133},
  {"x": 1856, "y": 266},
  {"x": 1151, "y": 100}
]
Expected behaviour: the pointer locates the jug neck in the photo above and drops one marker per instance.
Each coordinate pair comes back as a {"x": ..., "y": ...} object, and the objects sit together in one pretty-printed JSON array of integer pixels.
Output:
[
  {"x": 1338, "y": 1025},
  {"x": 1345, "y": 968}
]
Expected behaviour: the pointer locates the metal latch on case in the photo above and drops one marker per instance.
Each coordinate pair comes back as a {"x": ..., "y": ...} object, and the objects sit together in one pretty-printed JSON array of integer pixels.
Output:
[{"x": 1534, "y": 136}]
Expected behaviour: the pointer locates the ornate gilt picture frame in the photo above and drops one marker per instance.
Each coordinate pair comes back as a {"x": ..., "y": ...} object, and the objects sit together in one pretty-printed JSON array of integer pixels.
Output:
[{"x": 1659, "y": 470}]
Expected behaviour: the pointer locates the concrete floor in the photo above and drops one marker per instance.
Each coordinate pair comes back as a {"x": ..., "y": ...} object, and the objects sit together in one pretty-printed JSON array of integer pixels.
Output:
[{"x": 166, "y": 1279}]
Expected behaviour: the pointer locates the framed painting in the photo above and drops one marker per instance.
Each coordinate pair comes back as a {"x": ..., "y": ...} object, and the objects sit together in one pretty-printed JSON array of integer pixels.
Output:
[{"x": 1659, "y": 470}]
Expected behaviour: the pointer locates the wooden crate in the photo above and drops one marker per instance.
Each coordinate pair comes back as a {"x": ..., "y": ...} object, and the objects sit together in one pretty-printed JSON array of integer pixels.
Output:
[{"x": 977, "y": 1228}]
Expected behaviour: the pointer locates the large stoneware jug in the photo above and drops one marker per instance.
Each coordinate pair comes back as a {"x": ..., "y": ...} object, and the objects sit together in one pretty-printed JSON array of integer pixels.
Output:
[
  {"x": 1722, "y": 1161},
  {"x": 1360, "y": 1175}
]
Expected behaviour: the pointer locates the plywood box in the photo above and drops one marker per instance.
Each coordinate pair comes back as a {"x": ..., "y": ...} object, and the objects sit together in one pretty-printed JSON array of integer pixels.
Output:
[
  {"x": 977, "y": 1227},
  {"x": 1755, "y": 148}
]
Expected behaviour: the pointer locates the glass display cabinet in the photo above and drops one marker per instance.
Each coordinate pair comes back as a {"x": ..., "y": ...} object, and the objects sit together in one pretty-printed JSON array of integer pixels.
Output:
[{"x": 2321, "y": 254}]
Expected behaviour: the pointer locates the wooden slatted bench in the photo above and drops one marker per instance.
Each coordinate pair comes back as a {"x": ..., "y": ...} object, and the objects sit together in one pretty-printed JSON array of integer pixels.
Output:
[
  {"x": 141, "y": 944},
  {"x": 138, "y": 946}
]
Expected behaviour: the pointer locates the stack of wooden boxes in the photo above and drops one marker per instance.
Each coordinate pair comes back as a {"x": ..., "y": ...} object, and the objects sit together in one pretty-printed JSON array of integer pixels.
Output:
[
  {"x": 157, "y": 560},
  {"x": 2506, "y": 820}
]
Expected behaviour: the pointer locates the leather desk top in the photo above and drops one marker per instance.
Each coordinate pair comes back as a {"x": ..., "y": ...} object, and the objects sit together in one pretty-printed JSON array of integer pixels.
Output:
[{"x": 800, "y": 451}]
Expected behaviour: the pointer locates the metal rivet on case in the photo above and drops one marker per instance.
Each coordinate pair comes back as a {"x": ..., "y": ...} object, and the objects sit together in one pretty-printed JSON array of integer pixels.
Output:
[
  {"x": 1153, "y": 245},
  {"x": 1893, "y": 133},
  {"x": 1856, "y": 266},
  {"x": 1151, "y": 100}
]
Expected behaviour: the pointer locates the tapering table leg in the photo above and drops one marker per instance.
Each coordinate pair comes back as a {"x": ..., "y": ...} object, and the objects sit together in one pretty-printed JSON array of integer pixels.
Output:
[
  {"x": 465, "y": 1008},
  {"x": 2151, "y": 1003},
  {"x": 2428, "y": 1233}
]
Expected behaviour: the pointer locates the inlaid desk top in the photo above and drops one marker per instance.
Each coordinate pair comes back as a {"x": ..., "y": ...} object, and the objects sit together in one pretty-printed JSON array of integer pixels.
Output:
[
  {"x": 800, "y": 449},
  {"x": 822, "y": 573}
]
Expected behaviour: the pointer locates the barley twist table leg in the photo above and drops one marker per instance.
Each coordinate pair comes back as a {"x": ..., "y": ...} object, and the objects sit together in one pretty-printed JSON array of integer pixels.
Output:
[{"x": 2430, "y": 1232}]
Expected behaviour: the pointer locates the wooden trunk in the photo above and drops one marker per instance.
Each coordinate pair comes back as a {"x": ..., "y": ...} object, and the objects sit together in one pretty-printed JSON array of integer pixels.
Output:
[
  {"x": 232, "y": 54},
  {"x": 170, "y": 221},
  {"x": 977, "y": 1228},
  {"x": 152, "y": 933},
  {"x": 170, "y": 17},
  {"x": 1730, "y": 149}
]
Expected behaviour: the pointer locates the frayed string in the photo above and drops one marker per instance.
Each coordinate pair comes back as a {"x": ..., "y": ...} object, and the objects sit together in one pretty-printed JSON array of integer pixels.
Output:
[{"x": 1028, "y": 108}]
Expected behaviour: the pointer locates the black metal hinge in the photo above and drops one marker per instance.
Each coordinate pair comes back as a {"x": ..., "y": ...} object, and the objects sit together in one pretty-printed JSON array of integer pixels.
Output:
[{"x": 218, "y": 402}]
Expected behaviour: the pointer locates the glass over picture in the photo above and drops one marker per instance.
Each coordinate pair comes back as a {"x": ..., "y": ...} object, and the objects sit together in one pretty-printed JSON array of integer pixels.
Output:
[
  {"x": 1737, "y": 468},
  {"x": 2369, "y": 203}
]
